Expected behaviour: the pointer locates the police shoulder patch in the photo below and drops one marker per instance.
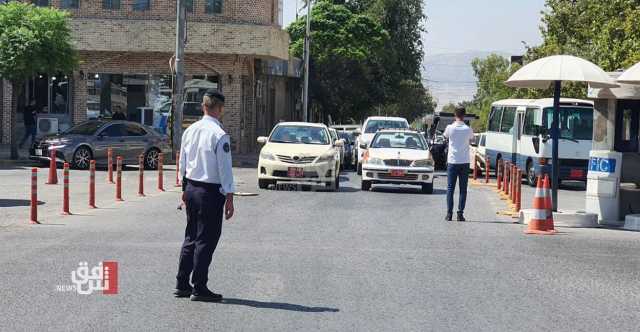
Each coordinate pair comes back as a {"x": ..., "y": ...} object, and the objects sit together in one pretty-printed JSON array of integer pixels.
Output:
[{"x": 225, "y": 147}]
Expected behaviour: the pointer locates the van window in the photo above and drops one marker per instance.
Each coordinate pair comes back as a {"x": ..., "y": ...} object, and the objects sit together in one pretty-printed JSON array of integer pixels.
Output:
[
  {"x": 507, "y": 120},
  {"x": 529, "y": 121},
  {"x": 494, "y": 119},
  {"x": 483, "y": 140}
]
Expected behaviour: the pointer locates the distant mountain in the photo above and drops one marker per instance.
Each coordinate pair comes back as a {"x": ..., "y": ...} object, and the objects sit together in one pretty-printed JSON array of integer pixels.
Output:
[{"x": 450, "y": 76}]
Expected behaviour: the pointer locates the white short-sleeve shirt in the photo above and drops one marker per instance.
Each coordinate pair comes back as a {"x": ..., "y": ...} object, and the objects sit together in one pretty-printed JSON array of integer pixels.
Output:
[{"x": 460, "y": 136}]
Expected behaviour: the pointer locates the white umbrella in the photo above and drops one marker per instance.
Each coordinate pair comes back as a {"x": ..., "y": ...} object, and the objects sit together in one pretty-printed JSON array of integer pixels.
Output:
[
  {"x": 631, "y": 75},
  {"x": 555, "y": 69}
]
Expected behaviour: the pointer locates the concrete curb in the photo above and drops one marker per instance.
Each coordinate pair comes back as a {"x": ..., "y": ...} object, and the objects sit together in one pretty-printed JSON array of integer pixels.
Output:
[
  {"x": 570, "y": 219},
  {"x": 632, "y": 222}
]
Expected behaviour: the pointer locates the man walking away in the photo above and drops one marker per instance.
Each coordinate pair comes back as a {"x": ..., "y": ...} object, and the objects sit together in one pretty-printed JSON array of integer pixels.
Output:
[
  {"x": 460, "y": 136},
  {"x": 205, "y": 166},
  {"x": 29, "y": 123}
]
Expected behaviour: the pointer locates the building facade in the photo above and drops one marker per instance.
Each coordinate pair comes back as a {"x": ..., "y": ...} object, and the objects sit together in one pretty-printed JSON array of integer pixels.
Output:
[{"x": 126, "y": 50}]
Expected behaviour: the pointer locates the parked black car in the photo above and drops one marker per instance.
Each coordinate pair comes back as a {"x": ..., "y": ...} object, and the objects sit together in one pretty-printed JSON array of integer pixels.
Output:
[{"x": 349, "y": 148}]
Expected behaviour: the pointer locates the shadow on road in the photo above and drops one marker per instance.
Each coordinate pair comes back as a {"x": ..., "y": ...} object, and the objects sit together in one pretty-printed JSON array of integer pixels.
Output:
[
  {"x": 278, "y": 305},
  {"x": 405, "y": 190},
  {"x": 16, "y": 202}
]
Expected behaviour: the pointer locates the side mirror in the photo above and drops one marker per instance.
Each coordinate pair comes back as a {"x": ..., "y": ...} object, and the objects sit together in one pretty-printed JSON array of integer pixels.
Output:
[
  {"x": 262, "y": 140},
  {"x": 536, "y": 144},
  {"x": 363, "y": 146}
]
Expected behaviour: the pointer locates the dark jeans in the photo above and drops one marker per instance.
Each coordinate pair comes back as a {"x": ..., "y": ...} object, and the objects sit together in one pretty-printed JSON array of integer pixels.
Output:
[
  {"x": 204, "y": 205},
  {"x": 455, "y": 172},
  {"x": 30, "y": 131}
]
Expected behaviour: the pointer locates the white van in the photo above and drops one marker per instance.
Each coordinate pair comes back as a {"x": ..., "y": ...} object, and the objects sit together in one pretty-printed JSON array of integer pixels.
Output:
[
  {"x": 519, "y": 131},
  {"x": 370, "y": 128}
]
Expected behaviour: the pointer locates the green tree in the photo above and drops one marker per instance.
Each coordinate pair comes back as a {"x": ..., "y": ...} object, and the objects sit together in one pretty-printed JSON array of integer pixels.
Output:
[{"x": 32, "y": 40}]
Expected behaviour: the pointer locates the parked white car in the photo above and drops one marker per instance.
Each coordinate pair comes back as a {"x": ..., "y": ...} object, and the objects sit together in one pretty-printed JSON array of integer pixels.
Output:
[
  {"x": 398, "y": 156},
  {"x": 369, "y": 129},
  {"x": 339, "y": 147},
  {"x": 300, "y": 152},
  {"x": 478, "y": 151}
]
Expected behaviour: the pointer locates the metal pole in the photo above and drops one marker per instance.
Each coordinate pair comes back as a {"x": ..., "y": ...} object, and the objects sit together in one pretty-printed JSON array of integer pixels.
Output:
[
  {"x": 555, "y": 136},
  {"x": 307, "y": 50},
  {"x": 181, "y": 17}
]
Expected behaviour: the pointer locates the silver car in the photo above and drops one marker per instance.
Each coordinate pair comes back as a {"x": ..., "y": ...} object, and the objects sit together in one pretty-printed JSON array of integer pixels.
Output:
[{"x": 91, "y": 140}]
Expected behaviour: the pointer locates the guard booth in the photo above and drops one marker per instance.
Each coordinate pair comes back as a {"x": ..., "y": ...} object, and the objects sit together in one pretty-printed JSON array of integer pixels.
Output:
[{"x": 613, "y": 181}]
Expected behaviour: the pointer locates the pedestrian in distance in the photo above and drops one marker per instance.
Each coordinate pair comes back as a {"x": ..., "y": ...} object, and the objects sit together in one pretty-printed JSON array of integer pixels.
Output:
[
  {"x": 29, "y": 119},
  {"x": 118, "y": 115},
  {"x": 460, "y": 136},
  {"x": 208, "y": 187}
]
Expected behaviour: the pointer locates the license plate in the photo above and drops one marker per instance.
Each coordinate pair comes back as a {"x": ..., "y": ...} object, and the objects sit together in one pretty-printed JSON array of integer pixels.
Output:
[
  {"x": 295, "y": 172},
  {"x": 38, "y": 152},
  {"x": 397, "y": 172},
  {"x": 576, "y": 173}
]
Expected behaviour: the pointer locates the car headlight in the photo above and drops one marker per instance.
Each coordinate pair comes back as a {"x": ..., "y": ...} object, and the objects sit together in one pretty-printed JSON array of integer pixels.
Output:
[
  {"x": 267, "y": 156},
  {"x": 422, "y": 163},
  {"x": 327, "y": 157},
  {"x": 375, "y": 161}
]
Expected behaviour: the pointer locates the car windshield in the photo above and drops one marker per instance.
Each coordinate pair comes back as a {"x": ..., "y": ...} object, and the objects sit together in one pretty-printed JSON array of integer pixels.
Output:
[
  {"x": 300, "y": 135},
  {"x": 375, "y": 125},
  {"x": 398, "y": 140},
  {"x": 85, "y": 128},
  {"x": 575, "y": 122}
]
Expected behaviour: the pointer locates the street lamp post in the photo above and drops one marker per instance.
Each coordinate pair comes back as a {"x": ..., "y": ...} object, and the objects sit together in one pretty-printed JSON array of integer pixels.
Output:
[
  {"x": 181, "y": 17},
  {"x": 307, "y": 50}
]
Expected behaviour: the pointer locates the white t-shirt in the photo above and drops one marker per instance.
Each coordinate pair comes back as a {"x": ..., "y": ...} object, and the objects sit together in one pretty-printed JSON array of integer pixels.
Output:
[{"x": 460, "y": 136}]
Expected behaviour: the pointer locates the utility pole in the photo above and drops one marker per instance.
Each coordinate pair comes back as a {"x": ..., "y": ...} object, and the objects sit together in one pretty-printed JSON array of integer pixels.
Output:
[
  {"x": 307, "y": 50},
  {"x": 181, "y": 34}
]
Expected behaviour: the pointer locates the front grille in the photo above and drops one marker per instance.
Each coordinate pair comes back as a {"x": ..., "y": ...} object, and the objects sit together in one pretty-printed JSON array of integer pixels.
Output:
[
  {"x": 293, "y": 160},
  {"x": 284, "y": 174},
  {"x": 387, "y": 176},
  {"x": 398, "y": 162}
]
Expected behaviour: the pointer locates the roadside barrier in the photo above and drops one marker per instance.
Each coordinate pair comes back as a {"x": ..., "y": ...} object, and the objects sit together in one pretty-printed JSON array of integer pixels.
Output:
[
  {"x": 65, "y": 191},
  {"x": 141, "y": 175},
  {"x": 119, "y": 179},
  {"x": 538, "y": 222},
  {"x": 499, "y": 174},
  {"x": 160, "y": 174},
  {"x": 548, "y": 204},
  {"x": 508, "y": 181},
  {"x": 110, "y": 164},
  {"x": 33, "y": 218},
  {"x": 513, "y": 184},
  {"x": 92, "y": 184},
  {"x": 178, "y": 184},
  {"x": 487, "y": 169},
  {"x": 53, "y": 168},
  {"x": 519, "y": 191}
]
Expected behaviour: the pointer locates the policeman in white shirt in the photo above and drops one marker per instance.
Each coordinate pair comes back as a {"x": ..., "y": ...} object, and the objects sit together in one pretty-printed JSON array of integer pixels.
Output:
[
  {"x": 460, "y": 136},
  {"x": 208, "y": 187}
]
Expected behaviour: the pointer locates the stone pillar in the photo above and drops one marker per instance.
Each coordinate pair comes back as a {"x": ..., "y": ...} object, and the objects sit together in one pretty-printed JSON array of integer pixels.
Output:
[
  {"x": 79, "y": 101},
  {"x": 604, "y": 121},
  {"x": 7, "y": 111}
]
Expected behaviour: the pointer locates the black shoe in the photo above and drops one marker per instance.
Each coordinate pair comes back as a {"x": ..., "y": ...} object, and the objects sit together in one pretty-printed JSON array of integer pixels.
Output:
[
  {"x": 449, "y": 217},
  {"x": 205, "y": 296},
  {"x": 182, "y": 292},
  {"x": 461, "y": 217}
]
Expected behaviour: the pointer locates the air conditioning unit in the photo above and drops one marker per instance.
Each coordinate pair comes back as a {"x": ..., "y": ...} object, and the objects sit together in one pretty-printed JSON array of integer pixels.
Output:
[{"x": 47, "y": 126}]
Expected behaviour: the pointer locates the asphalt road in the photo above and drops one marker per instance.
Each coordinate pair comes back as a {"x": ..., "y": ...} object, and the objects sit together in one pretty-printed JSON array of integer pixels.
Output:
[{"x": 308, "y": 260}]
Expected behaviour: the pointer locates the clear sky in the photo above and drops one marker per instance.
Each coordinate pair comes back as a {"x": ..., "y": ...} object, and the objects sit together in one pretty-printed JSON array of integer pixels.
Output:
[{"x": 479, "y": 25}]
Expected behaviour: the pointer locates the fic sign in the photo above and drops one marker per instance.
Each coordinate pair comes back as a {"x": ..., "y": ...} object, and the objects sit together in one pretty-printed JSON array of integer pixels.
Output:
[{"x": 605, "y": 165}]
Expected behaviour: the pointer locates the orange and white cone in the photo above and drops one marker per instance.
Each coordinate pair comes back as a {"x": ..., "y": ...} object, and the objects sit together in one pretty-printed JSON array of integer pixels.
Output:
[
  {"x": 548, "y": 204},
  {"x": 538, "y": 223}
]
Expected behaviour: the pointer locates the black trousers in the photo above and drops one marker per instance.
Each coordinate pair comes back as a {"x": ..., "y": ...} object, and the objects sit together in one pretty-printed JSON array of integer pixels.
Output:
[{"x": 204, "y": 206}]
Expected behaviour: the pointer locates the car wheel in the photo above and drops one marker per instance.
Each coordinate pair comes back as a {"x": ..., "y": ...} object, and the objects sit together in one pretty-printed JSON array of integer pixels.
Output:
[
  {"x": 82, "y": 157},
  {"x": 531, "y": 174},
  {"x": 359, "y": 169},
  {"x": 151, "y": 158},
  {"x": 365, "y": 185},
  {"x": 264, "y": 184},
  {"x": 427, "y": 188}
]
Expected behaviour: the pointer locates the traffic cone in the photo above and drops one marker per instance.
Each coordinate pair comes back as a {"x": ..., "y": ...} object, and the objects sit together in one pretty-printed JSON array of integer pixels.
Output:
[
  {"x": 538, "y": 223},
  {"x": 548, "y": 204}
]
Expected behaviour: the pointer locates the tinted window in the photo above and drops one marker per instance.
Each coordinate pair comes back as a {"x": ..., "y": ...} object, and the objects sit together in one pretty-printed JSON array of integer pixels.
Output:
[
  {"x": 140, "y": 5},
  {"x": 494, "y": 119},
  {"x": 506, "y": 125},
  {"x": 134, "y": 130},
  {"x": 575, "y": 123},
  {"x": 213, "y": 6},
  {"x": 188, "y": 4},
  {"x": 300, "y": 135},
  {"x": 114, "y": 130},
  {"x": 483, "y": 140},
  {"x": 85, "y": 128},
  {"x": 375, "y": 125},
  {"x": 111, "y": 4},
  {"x": 529, "y": 122}
]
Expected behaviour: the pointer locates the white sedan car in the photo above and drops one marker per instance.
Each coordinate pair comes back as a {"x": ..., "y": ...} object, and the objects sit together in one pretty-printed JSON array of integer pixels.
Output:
[
  {"x": 299, "y": 152},
  {"x": 398, "y": 156}
]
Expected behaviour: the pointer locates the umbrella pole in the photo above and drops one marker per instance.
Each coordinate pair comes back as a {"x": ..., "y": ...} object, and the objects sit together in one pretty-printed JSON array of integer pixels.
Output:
[{"x": 555, "y": 136}]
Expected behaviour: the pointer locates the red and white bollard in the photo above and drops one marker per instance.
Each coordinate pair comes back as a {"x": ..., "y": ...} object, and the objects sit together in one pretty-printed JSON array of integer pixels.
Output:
[
  {"x": 178, "y": 169},
  {"x": 110, "y": 164},
  {"x": 519, "y": 192},
  {"x": 33, "y": 218},
  {"x": 160, "y": 174},
  {"x": 141, "y": 175},
  {"x": 119, "y": 179},
  {"x": 53, "y": 168},
  {"x": 499, "y": 174},
  {"x": 507, "y": 177},
  {"x": 487, "y": 169},
  {"x": 65, "y": 191},
  {"x": 513, "y": 184},
  {"x": 92, "y": 184}
]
